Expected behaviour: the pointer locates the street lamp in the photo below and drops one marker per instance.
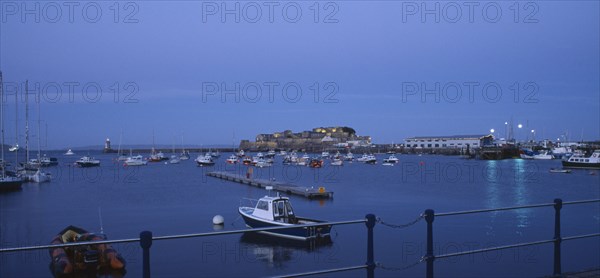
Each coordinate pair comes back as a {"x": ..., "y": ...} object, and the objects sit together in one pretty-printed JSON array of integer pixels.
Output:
[
  {"x": 533, "y": 135},
  {"x": 520, "y": 126},
  {"x": 506, "y": 131}
]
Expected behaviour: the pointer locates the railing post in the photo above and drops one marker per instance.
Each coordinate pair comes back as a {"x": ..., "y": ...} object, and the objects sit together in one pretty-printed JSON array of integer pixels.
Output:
[
  {"x": 557, "y": 238},
  {"x": 370, "y": 251},
  {"x": 146, "y": 242},
  {"x": 429, "y": 216}
]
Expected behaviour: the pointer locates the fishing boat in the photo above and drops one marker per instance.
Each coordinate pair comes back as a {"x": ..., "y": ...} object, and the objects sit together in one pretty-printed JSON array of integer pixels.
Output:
[
  {"x": 564, "y": 171},
  {"x": 391, "y": 159},
  {"x": 581, "y": 161},
  {"x": 69, "y": 152},
  {"x": 87, "y": 161},
  {"x": 277, "y": 212},
  {"x": 205, "y": 160},
  {"x": 233, "y": 159},
  {"x": 68, "y": 261},
  {"x": 136, "y": 160}
]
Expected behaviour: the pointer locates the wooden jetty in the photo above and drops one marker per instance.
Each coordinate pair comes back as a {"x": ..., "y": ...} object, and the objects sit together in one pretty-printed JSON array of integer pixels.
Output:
[{"x": 288, "y": 188}]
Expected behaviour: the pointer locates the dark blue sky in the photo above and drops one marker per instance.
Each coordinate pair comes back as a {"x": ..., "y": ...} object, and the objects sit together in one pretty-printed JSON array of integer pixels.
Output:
[{"x": 384, "y": 68}]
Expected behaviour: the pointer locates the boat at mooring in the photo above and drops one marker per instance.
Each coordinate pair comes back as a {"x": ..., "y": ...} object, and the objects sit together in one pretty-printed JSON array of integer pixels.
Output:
[
  {"x": 81, "y": 259},
  {"x": 277, "y": 212},
  {"x": 581, "y": 161}
]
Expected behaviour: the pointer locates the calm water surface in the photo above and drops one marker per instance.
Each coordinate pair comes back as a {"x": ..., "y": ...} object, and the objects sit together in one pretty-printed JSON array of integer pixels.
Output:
[{"x": 176, "y": 199}]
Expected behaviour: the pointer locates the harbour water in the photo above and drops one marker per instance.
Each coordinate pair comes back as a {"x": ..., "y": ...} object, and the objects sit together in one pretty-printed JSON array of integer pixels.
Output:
[{"x": 180, "y": 198}]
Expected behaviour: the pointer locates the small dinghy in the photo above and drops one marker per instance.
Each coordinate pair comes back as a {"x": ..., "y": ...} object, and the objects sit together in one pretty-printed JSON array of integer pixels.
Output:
[
  {"x": 100, "y": 258},
  {"x": 564, "y": 171}
]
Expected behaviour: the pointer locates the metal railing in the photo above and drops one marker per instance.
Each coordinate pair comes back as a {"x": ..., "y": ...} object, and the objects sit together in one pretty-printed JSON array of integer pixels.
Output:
[
  {"x": 557, "y": 239},
  {"x": 146, "y": 239}
]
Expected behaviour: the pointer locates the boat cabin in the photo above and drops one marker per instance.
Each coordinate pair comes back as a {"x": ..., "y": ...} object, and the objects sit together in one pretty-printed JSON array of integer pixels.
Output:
[{"x": 277, "y": 209}]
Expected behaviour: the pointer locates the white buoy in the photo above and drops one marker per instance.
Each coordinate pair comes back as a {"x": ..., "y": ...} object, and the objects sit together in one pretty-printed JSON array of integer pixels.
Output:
[{"x": 218, "y": 220}]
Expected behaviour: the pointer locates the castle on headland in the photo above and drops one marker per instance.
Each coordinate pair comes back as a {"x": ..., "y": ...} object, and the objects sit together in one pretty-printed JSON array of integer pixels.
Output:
[{"x": 317, "y": 139}]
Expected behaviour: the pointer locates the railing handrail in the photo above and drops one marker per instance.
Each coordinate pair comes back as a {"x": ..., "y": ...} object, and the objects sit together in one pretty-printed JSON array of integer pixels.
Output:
[
  {"x": 513, "y": 208},
  {"x": 50, "y": 246}
]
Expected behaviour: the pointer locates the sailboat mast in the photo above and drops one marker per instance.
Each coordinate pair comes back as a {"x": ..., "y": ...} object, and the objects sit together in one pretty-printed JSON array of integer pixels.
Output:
[
  {"x": 39, "y": 133},
  {"x": 16, "y": 129},
  {"x": 2, "y": 123},
  {"x": 26, "y": 121}
]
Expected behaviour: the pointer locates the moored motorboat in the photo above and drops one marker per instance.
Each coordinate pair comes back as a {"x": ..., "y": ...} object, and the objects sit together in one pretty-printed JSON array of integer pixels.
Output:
[
  {"x": 87, "y": 161},
  {"x": 371, "y": 159},
  {"x": 136, "y": 160},
  {"x": 391, "y": 159},
  {"x": 233, "y": 159},
  {"x": 205, "y": 160},
  {"x": 581, "y": 161},
  {"x": 277, "y": 212},
  {"x": 543, "y": 156},
  {"x": 337, "y": 162},
  {"x": 69, "y": 152},
  {"x": 83, "y": 258}
]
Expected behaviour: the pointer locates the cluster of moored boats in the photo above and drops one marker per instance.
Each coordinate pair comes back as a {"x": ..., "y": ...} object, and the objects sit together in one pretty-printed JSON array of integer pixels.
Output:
[
  {"x": 262, "y": 160},
  {"x": 575, "y": 159}
]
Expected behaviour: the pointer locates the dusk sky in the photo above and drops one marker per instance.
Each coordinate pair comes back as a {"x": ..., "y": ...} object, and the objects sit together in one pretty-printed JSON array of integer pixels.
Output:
[{"x": 385, "y": 68}]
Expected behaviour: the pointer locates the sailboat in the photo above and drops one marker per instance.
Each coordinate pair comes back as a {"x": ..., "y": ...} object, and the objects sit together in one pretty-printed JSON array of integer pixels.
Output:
[
  {"x": 174, "y": 158},
  {"x": 39, "y": 176},
  {"x": 185, "y": 155},
  {"x": 121, "y": 156},
  {"x": 6, "y": 182}
]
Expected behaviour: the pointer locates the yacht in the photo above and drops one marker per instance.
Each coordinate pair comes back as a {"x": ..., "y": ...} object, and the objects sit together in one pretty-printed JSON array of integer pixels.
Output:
[
  {"x": 69, "y": 152},
  {"x": 325, "y": 154}
]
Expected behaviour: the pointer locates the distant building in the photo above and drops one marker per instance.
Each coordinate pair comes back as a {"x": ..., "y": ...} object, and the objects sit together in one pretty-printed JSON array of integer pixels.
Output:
[
  {"x": 445, "y": 142},
  {"x": 316, "y": 139}
]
